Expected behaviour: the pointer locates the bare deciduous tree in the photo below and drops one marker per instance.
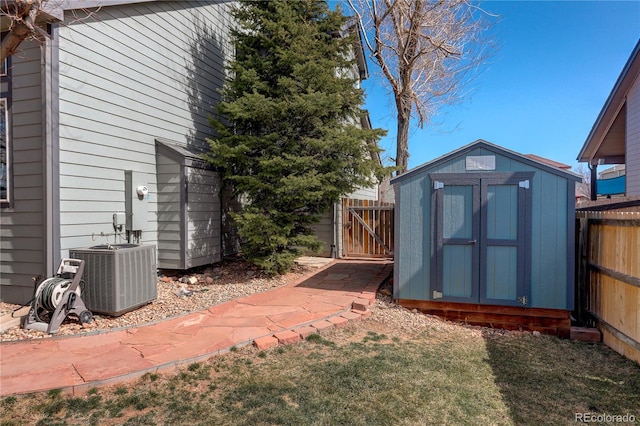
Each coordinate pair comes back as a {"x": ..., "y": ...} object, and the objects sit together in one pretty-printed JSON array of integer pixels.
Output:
[
  {"x": 427, "y": 51},
  {"x": 22, "y": 15},
  {"x": 583, "y": 188}
]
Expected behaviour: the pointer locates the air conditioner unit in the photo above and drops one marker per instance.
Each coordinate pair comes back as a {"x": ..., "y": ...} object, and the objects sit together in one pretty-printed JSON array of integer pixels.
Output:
[{"x": 118, "y": 278}]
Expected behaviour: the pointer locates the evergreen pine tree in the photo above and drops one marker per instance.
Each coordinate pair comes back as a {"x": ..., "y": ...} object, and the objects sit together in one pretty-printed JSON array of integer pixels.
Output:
[{"x": 290, "y": 140}]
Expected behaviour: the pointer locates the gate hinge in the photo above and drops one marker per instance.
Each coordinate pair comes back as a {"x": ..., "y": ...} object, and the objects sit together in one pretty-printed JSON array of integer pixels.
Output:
[
  {"x": 437, "y": 294},
  {"x": 523, "y": 300},
  {"x": 438, "y": 184}
]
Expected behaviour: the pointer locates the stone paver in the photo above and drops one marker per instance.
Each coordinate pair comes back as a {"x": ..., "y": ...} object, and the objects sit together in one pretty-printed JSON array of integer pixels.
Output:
[
  {"x": 287, "y": 336},
  {"x": 266, "y": 342},
  {"x": 305, "y": 332},
  {"x": 323, "y": 325},
  {"x": 361, "y": 304},
  {"x": 280, "y": 316},
  {"x": 339, "y": 322},
  {"x": 351, "y": 315}
]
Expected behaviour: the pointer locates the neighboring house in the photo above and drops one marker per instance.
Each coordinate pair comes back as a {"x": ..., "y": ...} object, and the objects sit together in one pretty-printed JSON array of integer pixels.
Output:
[
  {"x": 608, "y": 284},
  {"x": 485, "y": 235},
  {"x": 612, "y": 172},
  {"x": 120, "y": 95},
  {"x": 582, "y": 188},
  {"x": 615, "y": 136}
]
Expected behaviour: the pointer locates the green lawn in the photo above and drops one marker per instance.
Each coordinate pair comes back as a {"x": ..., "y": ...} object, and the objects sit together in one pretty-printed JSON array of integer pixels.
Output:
[{"x": 363, "y": 376}]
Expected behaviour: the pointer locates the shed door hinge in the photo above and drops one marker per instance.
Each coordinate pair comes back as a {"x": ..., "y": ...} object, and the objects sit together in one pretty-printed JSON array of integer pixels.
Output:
[
  {"x": 438, "y": 184},
  {"x": 524, "y": 184},
  {"x": 437, "y": 295},
  {"x": 523, "y": 300}
]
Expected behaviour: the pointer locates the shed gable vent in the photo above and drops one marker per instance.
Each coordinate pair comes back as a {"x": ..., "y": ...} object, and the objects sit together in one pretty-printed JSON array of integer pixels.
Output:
[{"x": 481, "y": 162}]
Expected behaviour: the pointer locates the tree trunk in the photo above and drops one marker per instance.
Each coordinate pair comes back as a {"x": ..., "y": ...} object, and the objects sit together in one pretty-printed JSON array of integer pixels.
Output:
[
  {"x": 402, "y": 144},
  {"x": 23, "y": 14},
  {"x": 12, "y": 40}
]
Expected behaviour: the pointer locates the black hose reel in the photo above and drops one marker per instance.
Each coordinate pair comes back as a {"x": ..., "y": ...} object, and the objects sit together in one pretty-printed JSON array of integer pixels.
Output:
[{"x": 60, "y": 297}]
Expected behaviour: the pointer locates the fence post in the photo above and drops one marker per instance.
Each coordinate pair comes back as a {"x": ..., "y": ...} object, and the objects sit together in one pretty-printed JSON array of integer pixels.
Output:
[{"x": 582, "y": 270}]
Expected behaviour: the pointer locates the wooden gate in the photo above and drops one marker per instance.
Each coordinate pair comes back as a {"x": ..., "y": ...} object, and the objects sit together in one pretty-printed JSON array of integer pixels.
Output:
[{"x": 368, "y": 228}]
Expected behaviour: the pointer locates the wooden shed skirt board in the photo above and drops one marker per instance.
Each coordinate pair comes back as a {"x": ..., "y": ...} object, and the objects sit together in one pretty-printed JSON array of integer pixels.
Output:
[{"x": 549, "y": 321}]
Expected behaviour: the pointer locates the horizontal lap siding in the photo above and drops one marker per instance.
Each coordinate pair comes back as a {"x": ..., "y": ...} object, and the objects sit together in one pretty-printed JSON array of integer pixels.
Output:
[
  {"x": 633, "y": 140},
  {"x": 365, "y": 193},
  {"x": 203, "y": 217},
  {"x": 128, "y": 75},
  {"x": 324, "y": 231},
  {"x": 22, "y": 225},
  {"x": 169, "y": 205}
]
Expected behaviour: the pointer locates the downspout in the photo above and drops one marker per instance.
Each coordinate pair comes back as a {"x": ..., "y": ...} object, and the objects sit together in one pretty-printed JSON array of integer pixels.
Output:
[
  {"x": 334, "y": 247},
  {"x": 594, "y": 181},
  {"x": 51, "y": 147}
]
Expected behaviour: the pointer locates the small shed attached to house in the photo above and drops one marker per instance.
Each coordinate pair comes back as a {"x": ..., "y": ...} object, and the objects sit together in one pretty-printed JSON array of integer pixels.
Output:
[
  {"x": 189, "y": 208},
  {"x": 486, "y": 236}
]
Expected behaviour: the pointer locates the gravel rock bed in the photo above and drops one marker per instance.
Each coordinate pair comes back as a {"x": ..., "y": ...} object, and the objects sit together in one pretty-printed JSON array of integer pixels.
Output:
[
  {"x": 208, "y": 287},
  {"x": 407, "y": 321},
  {"x": 411, "y": 322}
]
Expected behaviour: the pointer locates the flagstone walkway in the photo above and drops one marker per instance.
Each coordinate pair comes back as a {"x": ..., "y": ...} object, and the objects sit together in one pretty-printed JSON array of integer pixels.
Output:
[{"x": 338, "y": 293}]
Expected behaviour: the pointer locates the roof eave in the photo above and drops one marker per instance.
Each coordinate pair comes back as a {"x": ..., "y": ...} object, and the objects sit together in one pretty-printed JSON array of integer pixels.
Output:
[
  {"x": 611, "y": 106},
  {"x": 481, "y": 143},
  {"x": 89, "y": 4},
  {"x": 353, "y": 26}
]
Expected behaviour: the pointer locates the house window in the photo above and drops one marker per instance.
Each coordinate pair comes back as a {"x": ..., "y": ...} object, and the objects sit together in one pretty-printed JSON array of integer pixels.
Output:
[{"x": 4, "y": 152}]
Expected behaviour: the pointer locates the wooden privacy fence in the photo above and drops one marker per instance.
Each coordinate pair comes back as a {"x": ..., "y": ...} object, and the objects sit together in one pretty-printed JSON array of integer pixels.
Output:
[
  {"x": 368, "y": 228},
  {"x": 608, "y": 293}
]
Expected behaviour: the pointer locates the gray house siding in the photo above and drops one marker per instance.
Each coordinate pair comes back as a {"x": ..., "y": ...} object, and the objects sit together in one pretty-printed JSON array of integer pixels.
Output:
[
  {"x": 632, "y": 156},
  {"x": 551, "y": 234},
  {"x": 169, "y": 207},
  {"x": 189, "y": 209},
  {"x": 329, "y": 232},
  {"x": 157, "y": 78},
  {"x": 204, "y": 217},
  {"x": 88, "y": 106},
  {"x": 22, "y": 224}
]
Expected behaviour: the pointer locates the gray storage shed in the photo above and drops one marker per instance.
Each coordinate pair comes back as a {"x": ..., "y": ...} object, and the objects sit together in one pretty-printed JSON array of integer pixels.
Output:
[{"x": 486, "y": 235}]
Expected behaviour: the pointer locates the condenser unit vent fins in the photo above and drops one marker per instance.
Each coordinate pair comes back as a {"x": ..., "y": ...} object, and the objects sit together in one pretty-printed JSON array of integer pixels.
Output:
[{"x": 118, "y": 278}]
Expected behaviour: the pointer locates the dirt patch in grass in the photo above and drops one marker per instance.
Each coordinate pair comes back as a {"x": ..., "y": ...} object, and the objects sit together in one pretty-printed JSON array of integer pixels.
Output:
[{"x": 397, "y": 367}]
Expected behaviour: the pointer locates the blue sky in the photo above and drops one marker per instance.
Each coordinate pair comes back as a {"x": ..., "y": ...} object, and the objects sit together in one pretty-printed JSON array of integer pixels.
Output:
[{"x": 541, "y": 92}]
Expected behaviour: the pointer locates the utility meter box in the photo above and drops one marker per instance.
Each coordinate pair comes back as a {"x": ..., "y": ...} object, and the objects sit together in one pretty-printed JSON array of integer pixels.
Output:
[{"x": 136, "y": 200}]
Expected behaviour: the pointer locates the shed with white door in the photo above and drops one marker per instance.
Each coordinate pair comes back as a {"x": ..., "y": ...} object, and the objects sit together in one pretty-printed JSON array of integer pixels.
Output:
[{"x": 485, "y": 235}]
